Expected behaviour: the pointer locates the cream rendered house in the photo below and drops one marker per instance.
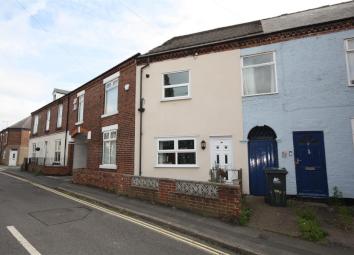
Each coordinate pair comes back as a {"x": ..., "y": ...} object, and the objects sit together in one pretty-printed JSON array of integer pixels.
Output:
[{"x": 190, "y": 112}]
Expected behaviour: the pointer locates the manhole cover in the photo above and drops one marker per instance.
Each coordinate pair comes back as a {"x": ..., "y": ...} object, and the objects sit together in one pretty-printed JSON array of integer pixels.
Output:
[{"x": 60, "y": 215}]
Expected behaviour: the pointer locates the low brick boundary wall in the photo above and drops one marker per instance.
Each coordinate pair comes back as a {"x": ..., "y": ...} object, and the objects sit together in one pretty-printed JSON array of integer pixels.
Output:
[
  {"x": 50, "y": 170},
  {"x": 209, "y": 199}
]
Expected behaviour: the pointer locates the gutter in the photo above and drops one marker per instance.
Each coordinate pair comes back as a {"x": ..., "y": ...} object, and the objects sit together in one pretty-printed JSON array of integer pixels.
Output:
[{"x": 141, "y": 110}]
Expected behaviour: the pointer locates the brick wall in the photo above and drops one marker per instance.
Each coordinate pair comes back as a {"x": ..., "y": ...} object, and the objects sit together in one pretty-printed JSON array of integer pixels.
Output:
[
  {"x": 50, "y": 170},
  {"x": 94, "y": 100},
  {"x": 226, "y": 205},
  {"x": 42, "y": 113}
]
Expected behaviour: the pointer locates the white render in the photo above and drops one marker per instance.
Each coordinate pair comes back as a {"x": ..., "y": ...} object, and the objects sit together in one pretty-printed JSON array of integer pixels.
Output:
[
  {"x": 213, "y": 108},
  {"x": 40, "y": 142}
]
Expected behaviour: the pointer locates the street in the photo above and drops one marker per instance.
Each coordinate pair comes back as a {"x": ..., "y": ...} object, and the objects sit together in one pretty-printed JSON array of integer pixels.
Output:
[{"x": 52, "y": 224}]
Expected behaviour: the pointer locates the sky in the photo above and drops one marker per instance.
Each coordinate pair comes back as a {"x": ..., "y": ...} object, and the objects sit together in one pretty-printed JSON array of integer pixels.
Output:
[{"x": 47, "y": 44}]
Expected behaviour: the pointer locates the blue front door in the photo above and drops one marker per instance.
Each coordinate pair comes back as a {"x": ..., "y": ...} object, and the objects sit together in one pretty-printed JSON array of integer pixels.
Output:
[
  {"x": 310, "y": 164},
  {"x": 261, "y": 154}
]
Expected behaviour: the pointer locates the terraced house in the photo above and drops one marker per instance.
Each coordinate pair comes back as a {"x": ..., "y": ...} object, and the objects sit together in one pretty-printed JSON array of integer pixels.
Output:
[
  {"x": 276, "y": 92},
  {"x": 49, "y": 137},
  {"x": 14, "y": 143}
]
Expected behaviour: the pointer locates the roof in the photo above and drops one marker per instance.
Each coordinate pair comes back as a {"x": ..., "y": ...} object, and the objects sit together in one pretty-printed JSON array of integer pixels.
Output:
[
  {"x": 61, "y": 91},
  {"x": 22, "y": 124},
  {"x": 309, "y": 17}
]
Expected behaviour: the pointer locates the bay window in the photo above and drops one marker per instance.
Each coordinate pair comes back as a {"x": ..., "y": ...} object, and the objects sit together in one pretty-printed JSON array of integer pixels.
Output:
[
  {"x": 176, "y": 152},
  {"x": 258, "y": 72}
]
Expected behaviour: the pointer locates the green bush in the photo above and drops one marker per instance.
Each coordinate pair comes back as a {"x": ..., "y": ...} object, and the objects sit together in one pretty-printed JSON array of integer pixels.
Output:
[
  {"x": 245, "y": 216},
  {"x": 336, "y": 198},
  {"x": 311, "y": 230},
  {"x": 306, "y": 213}
]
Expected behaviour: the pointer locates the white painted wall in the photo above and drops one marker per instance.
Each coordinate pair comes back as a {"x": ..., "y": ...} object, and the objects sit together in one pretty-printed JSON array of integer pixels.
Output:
[
  {"x": 40, "y": 141},
  {"x": 215, "y": 109}
]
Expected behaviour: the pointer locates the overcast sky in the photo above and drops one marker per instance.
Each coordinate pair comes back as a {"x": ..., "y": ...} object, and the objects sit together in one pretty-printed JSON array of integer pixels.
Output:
[{"x": 48, "y": 44}]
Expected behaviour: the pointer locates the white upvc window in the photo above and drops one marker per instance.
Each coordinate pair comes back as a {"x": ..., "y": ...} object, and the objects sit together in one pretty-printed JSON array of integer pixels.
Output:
[
  {"x": 176, "y": 85},
  {"x": 349, "y": 47},
  {"x": 35, "y": 124},
  {"x": 47, "y": 124},
  {"x": 57, "y": 151},
  {"x": 60, "y": 116},
  {"x": 109, "y": 147},
  {"x": 5, "y": 137},
  {"x": 111, "y": 97},
  {"x": 259, "y": 74},
  {"x": 80, "y": 109},
  {"x": 176, "y": 152}
]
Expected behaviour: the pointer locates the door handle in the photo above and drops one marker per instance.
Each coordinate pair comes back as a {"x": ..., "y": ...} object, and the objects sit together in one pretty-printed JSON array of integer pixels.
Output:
[{"x": 297, "y": 162}]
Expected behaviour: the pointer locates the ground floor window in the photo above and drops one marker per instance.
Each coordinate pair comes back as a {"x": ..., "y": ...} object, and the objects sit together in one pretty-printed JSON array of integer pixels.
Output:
[
  {"x": 57, "y": 151},
  {"x": 109, "y": 147},
  {"x": 34, "y": 150},
  {"x": 176, "y": 152}
]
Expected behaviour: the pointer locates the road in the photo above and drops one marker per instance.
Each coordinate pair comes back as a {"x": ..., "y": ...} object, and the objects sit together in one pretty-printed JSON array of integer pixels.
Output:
[{"x": 37, "y": 221}]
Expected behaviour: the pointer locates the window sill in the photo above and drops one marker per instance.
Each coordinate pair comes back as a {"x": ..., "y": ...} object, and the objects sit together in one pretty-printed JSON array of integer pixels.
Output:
[
  {"x": 108, "y": 166},
  {"x": 109, "y": 114},
  {"x": 176, "y": 166},
  {"x": 175, "y": 98},
  {"x": 79, "y": 123},
  {"x": 263, "y": 94}
]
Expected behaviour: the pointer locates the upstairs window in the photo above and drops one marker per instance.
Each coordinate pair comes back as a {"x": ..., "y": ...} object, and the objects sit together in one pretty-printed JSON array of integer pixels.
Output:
[
  {"x": 80, "y": 109},
  {"x": 258, "y": 72},
  {"x": 111, "y": 97},
  {"x": 5, "y": 137},
  {"x": 60, "y": 116},
  {"x": 176, "y": 152},
  {"x": 47, "y": 124},
  {"x": 35, "y": 124},
  {"x": 176, "y": 85},
  {"x": 350, "y": 60}
]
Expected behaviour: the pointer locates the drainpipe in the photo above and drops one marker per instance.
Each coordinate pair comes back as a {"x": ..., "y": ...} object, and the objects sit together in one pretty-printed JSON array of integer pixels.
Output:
[
  {"x": 66, "y": 128},
  {"x": 141, "y": 110}
]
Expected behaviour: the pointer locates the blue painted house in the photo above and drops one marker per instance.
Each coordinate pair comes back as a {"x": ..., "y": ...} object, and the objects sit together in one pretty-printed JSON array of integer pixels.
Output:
[{"x": 298, "y": 110}]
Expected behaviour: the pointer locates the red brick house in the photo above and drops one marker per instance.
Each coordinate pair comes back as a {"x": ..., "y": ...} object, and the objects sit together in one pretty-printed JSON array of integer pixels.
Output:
[
  {"x": 14, "y": 143},
  {"x": 101, "y": 125},
  {"x": 49, "y": 137}
]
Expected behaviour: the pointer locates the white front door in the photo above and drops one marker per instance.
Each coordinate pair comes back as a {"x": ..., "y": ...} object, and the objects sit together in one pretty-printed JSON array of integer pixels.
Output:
[
  {"x": 13, "y": 158},
  {"x": 222, "y": 155}
]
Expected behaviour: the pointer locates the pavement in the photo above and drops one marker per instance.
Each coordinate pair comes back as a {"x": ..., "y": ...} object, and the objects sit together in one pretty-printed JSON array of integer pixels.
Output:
[{"x": 243, "y": 240}]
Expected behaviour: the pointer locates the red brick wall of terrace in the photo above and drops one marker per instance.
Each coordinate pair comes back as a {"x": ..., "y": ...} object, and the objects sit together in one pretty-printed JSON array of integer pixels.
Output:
[
  {"x": 50, "y": 170},
  {"x": 42, "y": 113},
  {"x": 226, "y": 205},
  {"x": 94, "y": 100}
]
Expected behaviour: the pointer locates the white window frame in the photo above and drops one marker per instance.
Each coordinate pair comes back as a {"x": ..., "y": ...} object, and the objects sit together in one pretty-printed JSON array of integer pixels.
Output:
[
  {"x": 347, "y": 51},
  {"x": 189, "y": 96},
  {"x": 34, "y": 146},
  {"x": 35, "y": 124},
  {"x": 47, "y": 123},
  {"x": 109, "y": 129},
  {"x": 264, "y": 64},
  {"x": 80, "y": 108},
  {"x": 60, "y": 116},
  {"x": 5, "y": 137},
  {"x": 176, "y": 151},
  {"x": 57, "y": 150},
  {"x": 110, "y": 82}
]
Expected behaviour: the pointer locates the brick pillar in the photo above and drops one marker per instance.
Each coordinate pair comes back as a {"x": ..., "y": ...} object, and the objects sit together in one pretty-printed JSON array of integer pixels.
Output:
[
  {"x": 230, "y": 201},
  {"x": 166, "y": 193}
]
